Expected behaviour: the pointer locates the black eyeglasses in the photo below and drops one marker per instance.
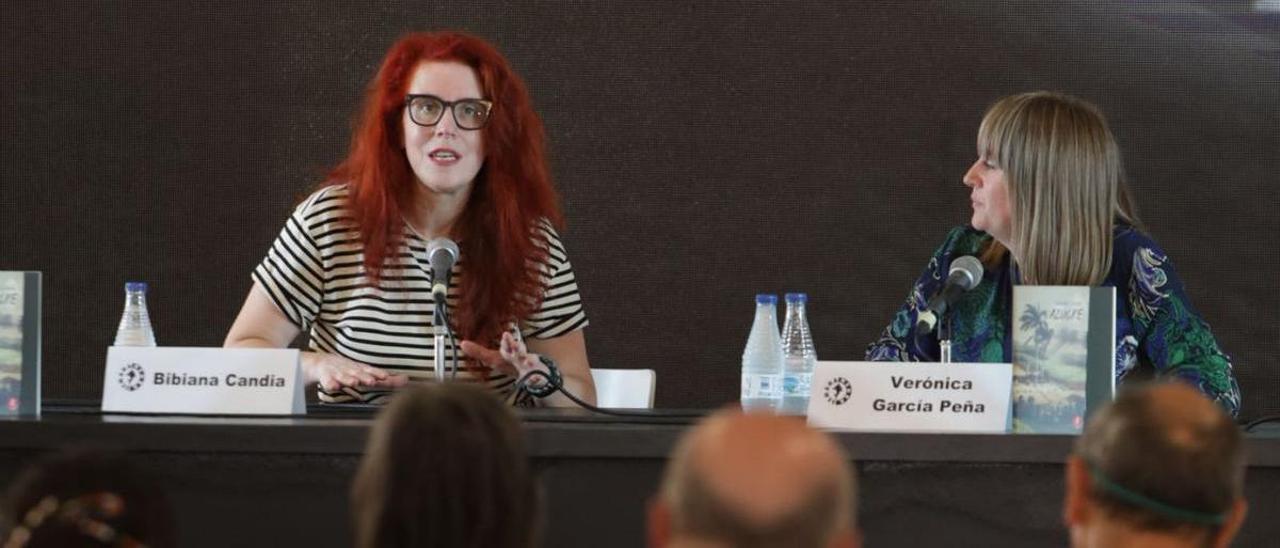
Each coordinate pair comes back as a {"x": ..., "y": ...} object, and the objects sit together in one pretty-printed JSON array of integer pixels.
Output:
[{"x": 427, "y": 110}]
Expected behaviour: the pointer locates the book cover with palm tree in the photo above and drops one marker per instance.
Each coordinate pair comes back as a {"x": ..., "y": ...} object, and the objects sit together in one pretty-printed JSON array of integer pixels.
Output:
[
  {"x": 11, "y": 322},
  {"x": 1050, "y": 358}
]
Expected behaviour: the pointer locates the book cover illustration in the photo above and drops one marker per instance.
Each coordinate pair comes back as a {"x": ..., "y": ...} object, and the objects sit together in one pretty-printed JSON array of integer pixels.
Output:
[
  {"x": 11, "y": 309},
  {"x": 1050, "y": 358}
]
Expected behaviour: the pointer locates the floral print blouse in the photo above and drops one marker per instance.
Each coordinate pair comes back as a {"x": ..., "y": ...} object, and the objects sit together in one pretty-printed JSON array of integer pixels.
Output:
[{"x": 1155, "y": 323}]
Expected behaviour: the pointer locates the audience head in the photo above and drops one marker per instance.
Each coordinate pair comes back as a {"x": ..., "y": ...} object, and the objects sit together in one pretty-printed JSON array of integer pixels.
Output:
[
  {"x": 1065, "y": 185},
  {"x": 445, "y": 465},
  {"x": 746, "y": 480},
  {"x": 1161, "y": 462},
  {"x": 86, "y": 498}
]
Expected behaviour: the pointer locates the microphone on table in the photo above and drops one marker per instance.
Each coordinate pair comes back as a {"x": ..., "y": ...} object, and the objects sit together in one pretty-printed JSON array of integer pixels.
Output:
[
  {"x": 965, "y": 274},
  {"x": 442, "y": 253}
]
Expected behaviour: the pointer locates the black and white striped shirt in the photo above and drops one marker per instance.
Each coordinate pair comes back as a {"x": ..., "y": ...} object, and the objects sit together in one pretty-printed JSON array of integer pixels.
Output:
[{"x": 314, "y": 273}]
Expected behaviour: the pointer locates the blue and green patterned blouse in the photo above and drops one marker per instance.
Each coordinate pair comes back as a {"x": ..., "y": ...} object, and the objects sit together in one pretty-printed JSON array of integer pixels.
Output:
[{"x": 1155, "y": 323}]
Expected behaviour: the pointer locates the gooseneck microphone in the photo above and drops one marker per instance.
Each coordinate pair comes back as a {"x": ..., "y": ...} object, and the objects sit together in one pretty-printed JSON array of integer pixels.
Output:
[
  {"x": 442, "y": 253},
  {"x": 965, "y": 274}
]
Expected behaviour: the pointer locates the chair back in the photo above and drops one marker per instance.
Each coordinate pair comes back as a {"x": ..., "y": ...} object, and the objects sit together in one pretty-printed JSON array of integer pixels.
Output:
[{"x": 624, "y": 388}]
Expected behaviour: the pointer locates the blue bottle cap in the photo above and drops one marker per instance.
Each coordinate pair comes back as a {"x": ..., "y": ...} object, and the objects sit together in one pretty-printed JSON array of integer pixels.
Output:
[
  {"x": 766, "y": 298},
  {"x": 135, "y": 286},
  {"x": 797, "y": 297}
]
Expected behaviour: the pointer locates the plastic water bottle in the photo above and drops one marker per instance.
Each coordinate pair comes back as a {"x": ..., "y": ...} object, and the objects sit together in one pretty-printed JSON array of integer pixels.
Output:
[
  {"x": 762, "y": 359},
  {"x": 799, "y": 357},
  {"x": 135, "y": 323}
]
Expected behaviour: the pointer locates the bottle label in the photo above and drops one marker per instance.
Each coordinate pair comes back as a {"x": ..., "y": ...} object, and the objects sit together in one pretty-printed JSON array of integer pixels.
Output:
[
  {"x": 796, "y": 385},
  {"x": 135, "y": 337},
  {"x": 761, "y": 386}
]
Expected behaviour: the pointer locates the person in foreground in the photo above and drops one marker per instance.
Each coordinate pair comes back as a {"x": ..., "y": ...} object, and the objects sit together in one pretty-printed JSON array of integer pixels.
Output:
[
  {"x": 1159, "y": 466},
  {"x": 1051, "y": 207},
  {"x": 447, "y": 146},
  {"x": 745, "y": 480},
  {"x": 445, "y": 465},
  {"x": 86, "y": 498}
]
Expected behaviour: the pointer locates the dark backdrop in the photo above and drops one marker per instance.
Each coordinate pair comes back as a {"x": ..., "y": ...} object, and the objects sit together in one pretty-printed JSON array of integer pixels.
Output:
[{"x": 705, "y": 152}]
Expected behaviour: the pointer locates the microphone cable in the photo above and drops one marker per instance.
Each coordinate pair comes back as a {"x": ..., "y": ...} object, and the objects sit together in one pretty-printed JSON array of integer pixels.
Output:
[
  {"x": 523, "y": 383},
  {"x": 1248, "y": 427},
  {"x": 442, "y": 309},
  {"x": 560, "y": 387}
]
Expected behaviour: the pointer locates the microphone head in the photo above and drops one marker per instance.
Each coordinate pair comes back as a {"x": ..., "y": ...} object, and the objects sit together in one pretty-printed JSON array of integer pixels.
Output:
[
  {"x": 442, "y": 254},
  {"x": 972, "y": 269},
  {"x": 446, "y": 245}
]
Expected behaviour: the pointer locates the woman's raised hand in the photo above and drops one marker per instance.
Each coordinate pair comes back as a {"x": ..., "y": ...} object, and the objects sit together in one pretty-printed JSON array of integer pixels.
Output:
[{"x": 511, "y": 358}]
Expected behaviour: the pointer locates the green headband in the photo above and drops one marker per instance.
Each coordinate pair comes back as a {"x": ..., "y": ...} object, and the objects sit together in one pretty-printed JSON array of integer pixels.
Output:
[{"x": 1100, "y": 481}]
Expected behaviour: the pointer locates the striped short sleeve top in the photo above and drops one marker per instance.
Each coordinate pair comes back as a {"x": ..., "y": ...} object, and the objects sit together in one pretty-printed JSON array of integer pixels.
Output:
[{"x": 314, "y": 273}]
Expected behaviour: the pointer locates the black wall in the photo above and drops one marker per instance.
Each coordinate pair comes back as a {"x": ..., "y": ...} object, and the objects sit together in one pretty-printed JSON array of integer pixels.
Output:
[{"x": 705, "y": 152}]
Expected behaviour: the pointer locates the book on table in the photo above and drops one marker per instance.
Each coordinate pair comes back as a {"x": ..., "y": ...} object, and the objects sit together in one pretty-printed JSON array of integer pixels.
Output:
[
  {"x": 19, "y": 343},
  {"x": 1063, "y": 356}
]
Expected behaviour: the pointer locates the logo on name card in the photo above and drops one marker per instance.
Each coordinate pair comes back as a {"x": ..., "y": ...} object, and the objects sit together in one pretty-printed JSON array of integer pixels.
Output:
[
  {"x": 132, "y": 376},
  {"x": 838, "y": 391}
]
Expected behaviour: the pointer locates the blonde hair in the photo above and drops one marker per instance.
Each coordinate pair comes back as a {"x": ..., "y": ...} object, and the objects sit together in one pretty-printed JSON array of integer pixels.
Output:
[{"x": 1066, "y": 185}]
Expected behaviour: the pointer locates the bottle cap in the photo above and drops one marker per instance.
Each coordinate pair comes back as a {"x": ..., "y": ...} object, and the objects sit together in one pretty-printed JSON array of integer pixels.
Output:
[
  {"x": 797, "y": 297},
  {"x": 766, "y": 298},
  {"x": 135, "y": 286}
]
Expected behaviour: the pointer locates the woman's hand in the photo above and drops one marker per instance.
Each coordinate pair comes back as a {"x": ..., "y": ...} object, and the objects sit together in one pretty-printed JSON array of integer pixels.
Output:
[
  {"x": 511, "y": 358},
  {"x": 333, "y": 372}
]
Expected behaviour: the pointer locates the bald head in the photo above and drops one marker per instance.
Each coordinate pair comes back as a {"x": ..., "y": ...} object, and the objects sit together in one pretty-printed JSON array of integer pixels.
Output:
[
  {"x": 745, "y": 480},
  {"x": 1184, "y": 414},
  {"x": 1161, "y": 458}
]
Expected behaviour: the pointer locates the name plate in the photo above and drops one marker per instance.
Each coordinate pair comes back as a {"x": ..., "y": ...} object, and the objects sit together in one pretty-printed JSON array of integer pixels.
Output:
[
  {"x": 216, "y": 381},
  {"x": 911, "y": 397}
]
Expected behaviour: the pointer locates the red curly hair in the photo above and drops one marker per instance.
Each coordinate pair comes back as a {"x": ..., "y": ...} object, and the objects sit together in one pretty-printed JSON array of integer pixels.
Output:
[{"x": 497, "y": 230}]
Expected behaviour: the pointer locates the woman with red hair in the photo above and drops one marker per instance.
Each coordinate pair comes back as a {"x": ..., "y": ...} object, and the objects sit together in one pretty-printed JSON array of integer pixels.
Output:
[{"x": 447, "y": 146}]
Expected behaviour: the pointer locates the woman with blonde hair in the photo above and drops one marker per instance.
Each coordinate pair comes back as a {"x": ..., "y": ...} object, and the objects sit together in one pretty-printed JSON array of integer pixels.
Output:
[{"x": 1051, "y": 207}]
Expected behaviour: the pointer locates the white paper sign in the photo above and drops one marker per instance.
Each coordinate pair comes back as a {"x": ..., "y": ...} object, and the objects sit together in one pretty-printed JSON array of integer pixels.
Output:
[
  {"x": 220, "y": 381},
  {"x": 911, "y": 397}
]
